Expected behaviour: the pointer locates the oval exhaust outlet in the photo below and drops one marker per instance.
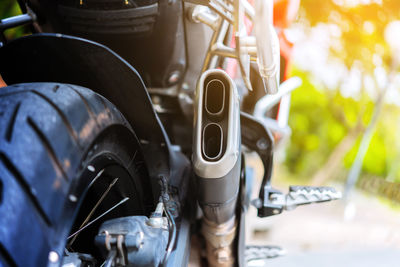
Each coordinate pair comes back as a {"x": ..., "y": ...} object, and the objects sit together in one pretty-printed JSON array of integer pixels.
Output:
[
  {"x": 212, "y": 142},
  {"x": 216, "y": 132},
  {"x": 215, "y": 97}
]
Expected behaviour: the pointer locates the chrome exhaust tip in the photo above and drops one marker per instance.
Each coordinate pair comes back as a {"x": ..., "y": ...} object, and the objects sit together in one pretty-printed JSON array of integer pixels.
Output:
[{"x": 216, "y": 136}]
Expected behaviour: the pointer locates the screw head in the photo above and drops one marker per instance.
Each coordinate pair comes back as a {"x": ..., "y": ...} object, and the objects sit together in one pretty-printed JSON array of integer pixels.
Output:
[
  {"x": 185, "y": 86},
  {"x": 73, "y": 198},
  {"x": 156, "y": 99},
  {"x": 91, "y": 168},
  {"x": 174, "y": 77},
  {"x": 262, "y": 144},
  {"x": 53, "y": 257}
]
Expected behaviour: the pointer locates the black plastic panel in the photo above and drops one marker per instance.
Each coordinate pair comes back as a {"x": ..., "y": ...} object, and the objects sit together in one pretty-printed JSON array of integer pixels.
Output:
[{"x": 66, "y": 59}]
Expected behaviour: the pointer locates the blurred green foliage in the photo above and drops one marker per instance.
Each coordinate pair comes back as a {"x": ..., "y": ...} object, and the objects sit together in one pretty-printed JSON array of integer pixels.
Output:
[
  {"x": 322, "y": 119},
  {"x": 362, "y": 27},
  {"x": 10, "y": 8},
  {"x": 316, "y": 130}
]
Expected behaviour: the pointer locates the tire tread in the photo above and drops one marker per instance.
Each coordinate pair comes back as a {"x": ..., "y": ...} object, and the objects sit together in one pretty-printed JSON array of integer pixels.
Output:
[
  {"x": 25, "y": 187},
  {"x": 11, "y": 123},
  {"x": 25, "y": 125},
  {"x": 67, "y": 124},
  {"x": 47, "y": 146},
  {"x": 6, "y": 258}
]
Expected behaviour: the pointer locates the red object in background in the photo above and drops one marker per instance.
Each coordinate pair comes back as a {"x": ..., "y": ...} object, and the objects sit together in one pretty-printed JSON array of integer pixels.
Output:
[
  {"x": 285, "y": 12},
  {"x": 286, "y": 48},
  {"x": 2, "y": 83}
]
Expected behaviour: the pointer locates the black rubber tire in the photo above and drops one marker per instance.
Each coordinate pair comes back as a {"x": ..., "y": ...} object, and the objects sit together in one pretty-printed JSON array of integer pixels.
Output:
[{"x": 49, "y": 132}]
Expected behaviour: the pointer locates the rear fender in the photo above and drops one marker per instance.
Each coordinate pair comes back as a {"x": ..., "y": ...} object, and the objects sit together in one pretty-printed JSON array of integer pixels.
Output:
[{"x": 68, "y": 59}]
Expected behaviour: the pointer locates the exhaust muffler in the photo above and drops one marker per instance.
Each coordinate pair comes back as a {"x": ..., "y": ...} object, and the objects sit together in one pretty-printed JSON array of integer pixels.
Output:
[{"x": 216, "y": 161}]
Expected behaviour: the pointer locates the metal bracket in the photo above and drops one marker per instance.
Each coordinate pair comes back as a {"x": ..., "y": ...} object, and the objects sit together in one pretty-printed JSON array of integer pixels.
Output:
[
  {"x": 28, "y": 18},
  {"x": 271, "y": 201},
  {"x": 220, "y": 15},
  {"x": 258, "y": 138}
]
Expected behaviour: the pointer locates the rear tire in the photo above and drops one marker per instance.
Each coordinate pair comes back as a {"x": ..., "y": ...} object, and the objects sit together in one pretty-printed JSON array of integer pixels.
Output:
[{"x": 54, "y": 140}]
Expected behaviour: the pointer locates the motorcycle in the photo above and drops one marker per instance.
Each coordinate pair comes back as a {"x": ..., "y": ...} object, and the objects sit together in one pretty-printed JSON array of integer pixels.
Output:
[{"x": 124, "y": 131}]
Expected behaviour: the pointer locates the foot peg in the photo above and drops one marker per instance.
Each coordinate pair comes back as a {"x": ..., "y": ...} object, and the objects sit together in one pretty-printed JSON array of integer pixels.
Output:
[
  {"x": 273, "y": 202},
  {"x": 262, "y": 252},
  {"x": 301, "y": 195}
]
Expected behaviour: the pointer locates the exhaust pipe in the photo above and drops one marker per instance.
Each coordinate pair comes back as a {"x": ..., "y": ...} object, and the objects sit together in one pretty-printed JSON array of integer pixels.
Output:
[
  {"x": 212, "y": 142},
  {"x": 216, "y": 161}
]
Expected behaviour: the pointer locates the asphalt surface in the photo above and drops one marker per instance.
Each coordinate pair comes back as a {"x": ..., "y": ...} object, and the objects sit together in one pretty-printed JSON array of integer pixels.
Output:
[
  {"x": 363, "y": 232},
  {"x": 349, "y": 258}
]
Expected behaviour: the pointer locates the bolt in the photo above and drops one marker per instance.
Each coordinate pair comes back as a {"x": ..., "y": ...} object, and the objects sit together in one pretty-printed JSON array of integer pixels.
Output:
[
  {"x": 156, "y": 100},
  {"x": 73, "y": 198},
  {"x": 185, "y": 86},
  {"x": 262, "y": 144},
  {"x": 91, "y": 168},
  {"x": 53, "y": 257},
  {"x": 174, "y": 77}
]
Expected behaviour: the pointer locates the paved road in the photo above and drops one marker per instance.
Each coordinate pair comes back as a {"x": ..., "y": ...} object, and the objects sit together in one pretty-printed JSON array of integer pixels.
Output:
[
  {"x": 349, "y": 258},
  {"x": 364, "y": 232}
]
